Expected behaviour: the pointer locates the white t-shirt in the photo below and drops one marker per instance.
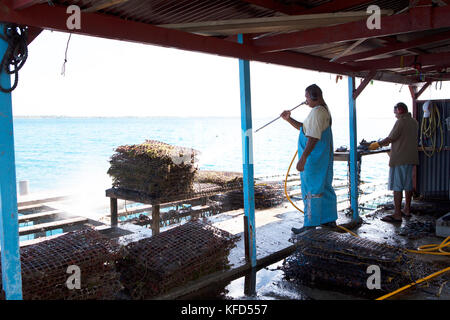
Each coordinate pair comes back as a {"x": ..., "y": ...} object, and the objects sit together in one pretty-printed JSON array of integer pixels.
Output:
[{"x": 316, "y": 122}]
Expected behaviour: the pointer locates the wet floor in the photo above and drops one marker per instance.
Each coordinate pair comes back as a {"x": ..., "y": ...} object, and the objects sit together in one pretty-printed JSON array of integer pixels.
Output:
[
  {"x": 269, "y": 283},
  {"x": 265, "y": 284}
]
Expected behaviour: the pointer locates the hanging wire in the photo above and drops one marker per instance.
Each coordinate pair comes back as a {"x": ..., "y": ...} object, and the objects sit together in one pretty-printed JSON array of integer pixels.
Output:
[
  {"x": 16, "y": 53},
  {"x": 63, "y": 71}
]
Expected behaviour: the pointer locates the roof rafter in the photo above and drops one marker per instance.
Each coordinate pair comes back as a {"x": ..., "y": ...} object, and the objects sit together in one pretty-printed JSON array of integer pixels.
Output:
[
  {"x": 396, "y": 47},
  {"x": 399, "y": 62},
  {"x": 103, "y": 5},
  {"x": 22, "y": 4},
  {"x": 334, "y": 6},
  {"x": 277, "y": 6},
  {"x": 417, "y": 19},
  {"x": 33, "y": 33},
  {"x": 268, "y": 24},
  {"x": 112, "y": 27}
]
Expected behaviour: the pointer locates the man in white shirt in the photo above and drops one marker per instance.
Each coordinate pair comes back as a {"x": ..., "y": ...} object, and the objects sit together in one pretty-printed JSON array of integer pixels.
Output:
[{"x": 315, "y": 151}]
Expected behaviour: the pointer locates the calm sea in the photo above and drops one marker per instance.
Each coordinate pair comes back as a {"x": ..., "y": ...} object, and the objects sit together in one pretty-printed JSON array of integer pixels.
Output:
[{"x": 73, "y": 153}]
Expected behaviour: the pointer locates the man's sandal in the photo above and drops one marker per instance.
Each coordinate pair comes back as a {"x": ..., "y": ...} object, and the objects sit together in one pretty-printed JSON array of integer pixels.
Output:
[
  {"x": 391, "y": 218},
  {"x": 406, "y": 215}
]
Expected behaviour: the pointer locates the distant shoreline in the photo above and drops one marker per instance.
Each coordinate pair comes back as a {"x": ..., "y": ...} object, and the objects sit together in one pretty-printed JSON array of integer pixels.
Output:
[
  {"x": 162, "y": 117},
  {"x": 119, "y": 117}
]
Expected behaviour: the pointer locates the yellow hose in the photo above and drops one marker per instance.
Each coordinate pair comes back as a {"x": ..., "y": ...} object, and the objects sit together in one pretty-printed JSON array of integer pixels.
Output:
[
  {"x": 435, "y": 249},
  {"x": 285, "y": 184},
  {"x": 287, "y": 196},
  {"x": 425, "y": 249},
  {"x": 428, "y": 129},
  {"x": 414, "y": 283}
]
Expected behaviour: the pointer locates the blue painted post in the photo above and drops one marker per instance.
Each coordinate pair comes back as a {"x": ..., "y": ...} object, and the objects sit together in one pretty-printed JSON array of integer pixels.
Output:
[
  {"x": 9, "y": 225},
  {"x": 353, "y": 149},
  {"x": 247, "y": 158}
]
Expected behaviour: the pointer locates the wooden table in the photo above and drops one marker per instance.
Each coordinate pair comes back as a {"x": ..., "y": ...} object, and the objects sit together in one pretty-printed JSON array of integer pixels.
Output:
[
  {"x": 344, "y": 156},
  {"x": 140, "y": 197}
]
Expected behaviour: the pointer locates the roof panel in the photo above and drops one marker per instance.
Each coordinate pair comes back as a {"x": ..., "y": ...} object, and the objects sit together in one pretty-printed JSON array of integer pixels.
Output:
[
  {"x": 166, "y": 12},
  {"x": 176, "y": 11}
]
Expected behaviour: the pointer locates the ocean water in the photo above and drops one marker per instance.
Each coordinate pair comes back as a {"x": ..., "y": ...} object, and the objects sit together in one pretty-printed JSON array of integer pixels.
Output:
[{"x": 73, "y": 153}]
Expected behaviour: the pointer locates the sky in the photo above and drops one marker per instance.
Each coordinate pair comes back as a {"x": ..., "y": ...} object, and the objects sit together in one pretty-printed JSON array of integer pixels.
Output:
[{"x": 109, "y": 78}]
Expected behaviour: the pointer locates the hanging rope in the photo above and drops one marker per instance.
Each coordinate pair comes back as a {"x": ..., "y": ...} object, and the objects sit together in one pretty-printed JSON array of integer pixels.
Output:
[
  {"x": 16, "y": 53},
  {"x": 63, "y": 71}
]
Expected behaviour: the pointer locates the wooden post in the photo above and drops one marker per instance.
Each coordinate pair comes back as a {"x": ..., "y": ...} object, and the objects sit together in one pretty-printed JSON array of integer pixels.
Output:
[
  {"x": 155, "y": 219},
  {"x": 353, "y": 149},
  {"x": 250, "y": 283},
  {"x": 9, "y": 224},
  {"x": 247, "y": 156},
  {"x": 113, "y": 202}
]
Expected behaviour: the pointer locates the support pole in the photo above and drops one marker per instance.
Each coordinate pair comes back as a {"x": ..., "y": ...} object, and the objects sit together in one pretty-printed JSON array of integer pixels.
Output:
[
  {"x": 353, "y": 149},
  {"x": 9, "y": 225},
  {"x": 414, "y": 96},
  {"x": 114, "y": 213},
  {"x": 155, "y": 219},
  {"x": 247, "y": 158}
]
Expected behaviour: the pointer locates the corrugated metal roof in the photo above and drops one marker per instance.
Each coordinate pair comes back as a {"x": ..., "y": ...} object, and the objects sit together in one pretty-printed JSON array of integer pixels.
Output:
[
  {"x": 177, "y": 11},
  {"x": 173, "y": 12}
]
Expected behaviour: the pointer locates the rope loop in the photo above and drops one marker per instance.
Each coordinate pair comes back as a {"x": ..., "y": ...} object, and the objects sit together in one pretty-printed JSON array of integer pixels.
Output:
[{"x": 16, "y": 53}]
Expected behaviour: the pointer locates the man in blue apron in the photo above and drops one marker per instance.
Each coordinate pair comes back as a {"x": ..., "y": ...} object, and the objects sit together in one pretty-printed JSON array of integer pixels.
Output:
[{"x": 315, "y": 152}]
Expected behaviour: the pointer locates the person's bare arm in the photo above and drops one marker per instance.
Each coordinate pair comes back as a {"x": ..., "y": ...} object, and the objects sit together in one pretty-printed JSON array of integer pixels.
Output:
[
  {"x": 310, "y": 144},
  {"x": 286, "y": 115},
  {"x": 385, "y": 142}
]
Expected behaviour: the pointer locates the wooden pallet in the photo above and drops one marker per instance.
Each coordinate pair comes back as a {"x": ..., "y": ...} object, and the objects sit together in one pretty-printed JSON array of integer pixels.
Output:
[{"x": 43, "y": 227}]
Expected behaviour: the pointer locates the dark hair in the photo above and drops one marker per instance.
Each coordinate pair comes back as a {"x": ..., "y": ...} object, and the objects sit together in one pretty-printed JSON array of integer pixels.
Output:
[
  {"x": 401, "y": 106},
  {"x": 314, "y": 92}
]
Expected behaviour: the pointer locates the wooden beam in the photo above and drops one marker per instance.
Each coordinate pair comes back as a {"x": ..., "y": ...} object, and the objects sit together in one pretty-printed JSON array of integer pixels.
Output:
[
  {"x": 435, "y": 68},
  {"x": 112, "y": 27},
  {"x": 349, "y": 49},
  {"x": 26, "y": 201},
  {"x": 277, "y": 6},
  {"x": 431, "y": 78},
  {"x": 364, "y": 84},
  {"x": 417, "y": 19},
  {"x": 39, "y": 216},
  {"x": 52, "y": 225},
  {"x": 335, "y": 6},
  {"x": 296, "y": 9},
  {"x": 103, "y": 5},
  {"x": 396, "y": 47},
  {"x": 22, "y": 4},
  {"x": 424, "y": 87},
  {"x": 392, "y": 40},
  {"x": 400, "y": 62},
  {"x": 267, "y": 24},
  {"x": 33, "y": 33}
]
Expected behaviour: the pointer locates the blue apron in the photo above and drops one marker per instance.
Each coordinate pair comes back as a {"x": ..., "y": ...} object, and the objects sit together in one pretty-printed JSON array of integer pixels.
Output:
[{"x": 318, "y": 194}]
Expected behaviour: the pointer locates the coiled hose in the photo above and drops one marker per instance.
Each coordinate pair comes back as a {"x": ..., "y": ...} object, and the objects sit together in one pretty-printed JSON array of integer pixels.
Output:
[{"x": 428, "y": 130}]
